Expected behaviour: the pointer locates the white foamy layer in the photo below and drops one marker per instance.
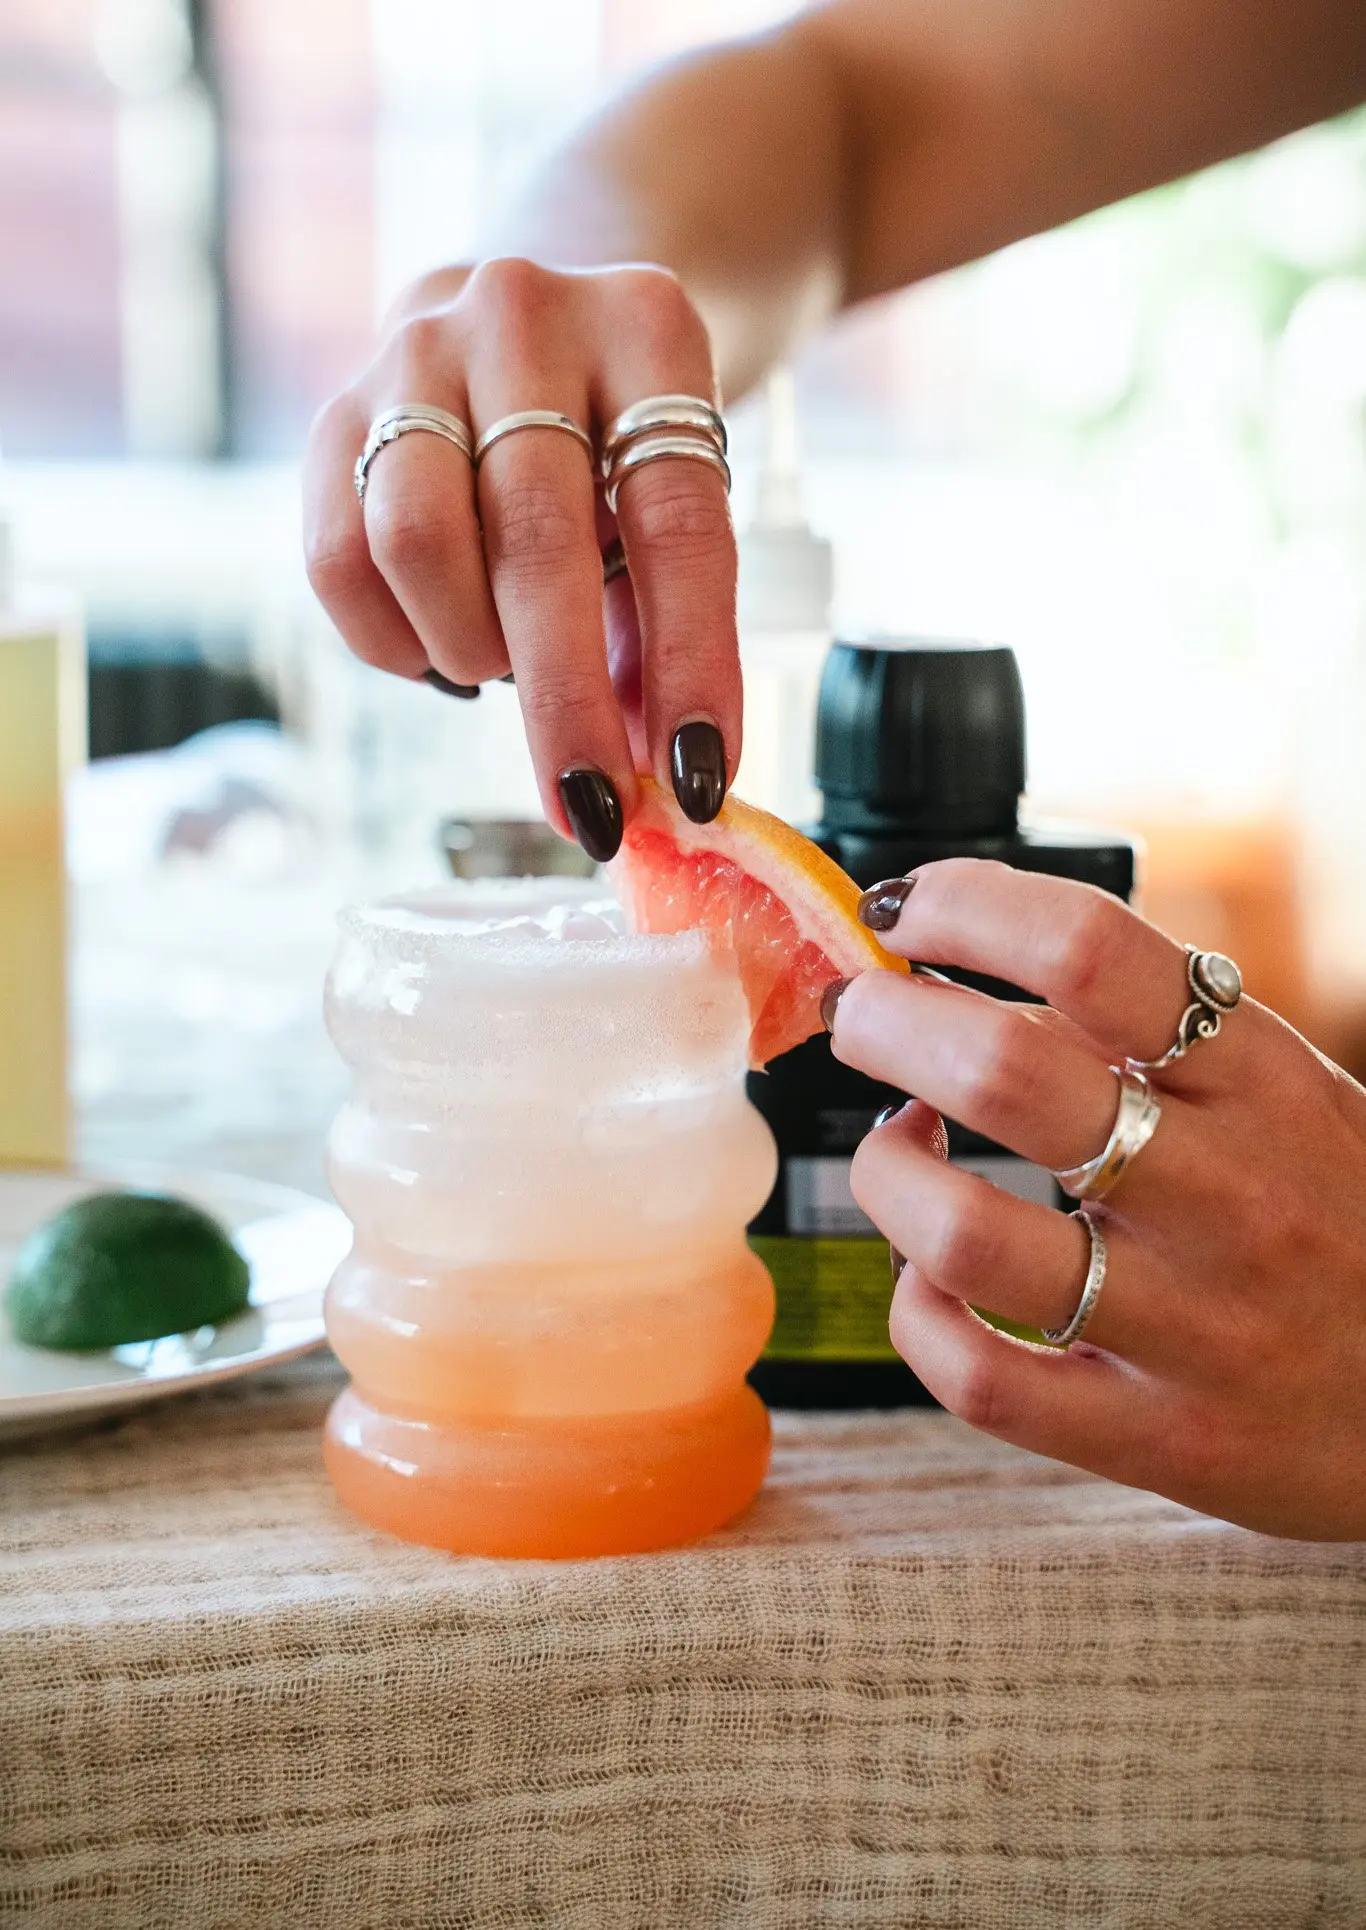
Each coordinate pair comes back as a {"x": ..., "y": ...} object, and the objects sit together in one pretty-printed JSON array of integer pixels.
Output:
[
  {"x": 533, "y": 1084},
  {"x": 531, "y": 988}
]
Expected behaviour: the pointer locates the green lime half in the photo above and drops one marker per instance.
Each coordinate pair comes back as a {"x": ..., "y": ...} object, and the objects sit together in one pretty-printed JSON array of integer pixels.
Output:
[{"x": 115, "y": 1267}]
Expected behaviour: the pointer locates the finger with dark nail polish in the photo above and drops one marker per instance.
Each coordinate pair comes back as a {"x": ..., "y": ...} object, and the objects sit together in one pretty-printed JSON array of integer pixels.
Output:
[
  {"x": 444, "y": 684},
  {"x": 880, "y": 906},
  {"x": 898, "y": 1261},
  {"x": 698, "y": 767},
  {"x": 593, "y": 808},
  {"x": 830, "y": 999}
]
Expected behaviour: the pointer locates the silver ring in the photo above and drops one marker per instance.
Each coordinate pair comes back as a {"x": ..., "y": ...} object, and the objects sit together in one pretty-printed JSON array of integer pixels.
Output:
[
  {"x": 1216, "y": 986},
  {"x": 1090, "y": 1293},
  {"x": 654, "y": 448},
  {"x": 664, "y": 412},
  {"x": 1136, "y": 1118},
  {"x": 508, "y": 425},
  {"x": 399, "y": 421}
]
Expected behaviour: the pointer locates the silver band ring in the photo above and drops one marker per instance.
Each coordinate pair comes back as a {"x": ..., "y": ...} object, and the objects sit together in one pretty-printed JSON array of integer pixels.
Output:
[
  {"x": 656, "y": 412},
  {"x": 655, "y": 448},
  {"x": 1090, "y": 1293},
  {"x": 508, "y": 425},
  {"x": 400, "y": 421},
  {"x": 1136, "y": 1118},
  {"x": 1216, "y": 986}
]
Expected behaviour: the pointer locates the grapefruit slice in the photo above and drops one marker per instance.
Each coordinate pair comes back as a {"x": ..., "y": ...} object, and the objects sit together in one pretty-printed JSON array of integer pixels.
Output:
[{"x": 787, "y": 910}]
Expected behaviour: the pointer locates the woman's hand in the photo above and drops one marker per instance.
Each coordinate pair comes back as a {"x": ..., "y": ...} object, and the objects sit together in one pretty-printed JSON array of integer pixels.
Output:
[
  {"x": 472, "y": 574},
  {"x": 1225, "y": 1362}
]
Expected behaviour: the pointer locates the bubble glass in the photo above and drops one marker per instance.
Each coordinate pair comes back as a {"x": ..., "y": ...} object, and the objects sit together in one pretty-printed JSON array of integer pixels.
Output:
[{"x": 549, "y": 1161}]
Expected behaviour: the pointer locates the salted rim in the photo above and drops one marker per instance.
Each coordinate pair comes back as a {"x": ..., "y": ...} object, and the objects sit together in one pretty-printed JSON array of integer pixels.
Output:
[{"x": 424, "y": 923}]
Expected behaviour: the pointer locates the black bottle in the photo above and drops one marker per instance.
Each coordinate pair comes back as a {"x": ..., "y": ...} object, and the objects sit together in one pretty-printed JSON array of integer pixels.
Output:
[{"x": 920, "y": 754}]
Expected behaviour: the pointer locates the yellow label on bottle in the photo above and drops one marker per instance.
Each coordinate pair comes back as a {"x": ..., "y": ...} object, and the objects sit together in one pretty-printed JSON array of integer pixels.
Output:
[{"x": 833, "y": 1297}]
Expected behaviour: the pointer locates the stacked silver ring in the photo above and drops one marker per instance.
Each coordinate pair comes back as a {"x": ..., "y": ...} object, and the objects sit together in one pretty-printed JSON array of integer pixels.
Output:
[
  {"x": 1136, "y": 1118},
  {"x": 400, "y": 421},
  {"x": 660, "y": 427}
]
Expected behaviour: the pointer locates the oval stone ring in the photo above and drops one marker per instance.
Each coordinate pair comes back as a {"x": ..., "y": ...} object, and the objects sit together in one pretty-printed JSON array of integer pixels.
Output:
[{"x": 1216, "y": 986}]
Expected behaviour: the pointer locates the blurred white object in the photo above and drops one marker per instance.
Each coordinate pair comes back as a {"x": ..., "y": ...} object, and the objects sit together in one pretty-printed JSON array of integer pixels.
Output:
[
  {"x": 395, "y": 760},
  {"x": 786, "y": 587},
  {"x": 239, "y": 794}
]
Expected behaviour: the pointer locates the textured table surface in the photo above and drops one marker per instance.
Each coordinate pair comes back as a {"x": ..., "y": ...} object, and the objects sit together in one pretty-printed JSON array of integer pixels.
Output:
[{"x": 926, "y": 1680}]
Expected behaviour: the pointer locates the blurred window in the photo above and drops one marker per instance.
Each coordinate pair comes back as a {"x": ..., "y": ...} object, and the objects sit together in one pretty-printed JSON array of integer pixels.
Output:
[{"x": 1136, "y": 447}]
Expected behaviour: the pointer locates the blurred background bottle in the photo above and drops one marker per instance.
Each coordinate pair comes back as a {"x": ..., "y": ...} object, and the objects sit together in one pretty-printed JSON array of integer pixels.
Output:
[
  {"x": 786, "y": 585},
  {"x": 42, "y": 731}
]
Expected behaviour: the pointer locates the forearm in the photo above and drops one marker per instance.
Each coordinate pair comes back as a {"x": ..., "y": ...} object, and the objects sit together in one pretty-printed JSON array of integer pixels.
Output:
[
  {"x": 973, "y": 125},
  {"x": 726, "y": 167},
  {"x": 872, "y": 142}
]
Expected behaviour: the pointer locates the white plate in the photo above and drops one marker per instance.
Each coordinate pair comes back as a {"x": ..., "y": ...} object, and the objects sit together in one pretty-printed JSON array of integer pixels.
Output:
[{"x": 290, "y": 1241}]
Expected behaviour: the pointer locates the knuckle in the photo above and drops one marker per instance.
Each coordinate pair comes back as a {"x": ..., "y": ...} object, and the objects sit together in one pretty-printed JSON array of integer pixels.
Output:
[
  {"x": 685, "y": 518},
  {"x": 1197, "y": 1453},
  {"x": 332, "y": 424},
  {"x": 406, "y": 539},
  {"x": 1084, "y": 951},
  {"x": 1003, "y": 1079},
  {"x": 1278, "y": 1223},
  {"x": 532, "y": 529},
  {"x": 337, "y": 565},
  {"x": 647, "y": 281},
  {"x": 421, "y": 343},
  {"x": 968, "y": 1250},
  {"x": 509, "y": 284},
  {"x": 561, "y": 696},
  {"x": 974, "y": 1391},
  {"x": 658, "y": 302}
]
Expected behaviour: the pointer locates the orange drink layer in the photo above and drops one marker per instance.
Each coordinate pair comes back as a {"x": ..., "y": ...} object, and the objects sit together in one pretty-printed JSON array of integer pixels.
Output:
[{"x": 550, "y": 1162}]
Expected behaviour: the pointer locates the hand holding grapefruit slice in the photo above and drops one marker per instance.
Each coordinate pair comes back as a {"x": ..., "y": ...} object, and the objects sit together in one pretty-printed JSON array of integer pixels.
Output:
[{"x": 788, "y": 911}]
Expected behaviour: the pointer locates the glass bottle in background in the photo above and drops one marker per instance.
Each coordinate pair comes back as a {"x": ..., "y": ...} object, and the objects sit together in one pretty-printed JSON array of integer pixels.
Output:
[
  {"x": 42, "y": 733},
  {"x": 785, "y": 589}
]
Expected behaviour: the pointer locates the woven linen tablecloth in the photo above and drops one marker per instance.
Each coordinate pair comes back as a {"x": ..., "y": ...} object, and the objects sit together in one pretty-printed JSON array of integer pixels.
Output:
[{"x": 926, "y": 1680}]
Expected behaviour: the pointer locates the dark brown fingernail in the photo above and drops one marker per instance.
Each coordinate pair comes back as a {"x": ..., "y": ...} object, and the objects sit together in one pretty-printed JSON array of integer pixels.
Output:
[
  {"x": 880, "y": 906},
  {"x": 888, "y": 1112},
  {"x": 698, "y": 767},
  {"x": 830, "y": 998},
  {"x": 438, "y": 682},
  {"x": 593, "y": 808},
  {"x": 898, "y": 1261}
]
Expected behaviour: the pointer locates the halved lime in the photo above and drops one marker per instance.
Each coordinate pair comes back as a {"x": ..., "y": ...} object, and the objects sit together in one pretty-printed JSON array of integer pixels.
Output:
[{"x": 117, "y": 1267}]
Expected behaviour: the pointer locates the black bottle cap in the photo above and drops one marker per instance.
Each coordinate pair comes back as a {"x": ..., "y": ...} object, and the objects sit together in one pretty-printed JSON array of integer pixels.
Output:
[{"x": 921, "y": 734}]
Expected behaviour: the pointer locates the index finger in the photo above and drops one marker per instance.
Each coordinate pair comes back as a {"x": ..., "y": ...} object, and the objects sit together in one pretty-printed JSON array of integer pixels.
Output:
[{"x": 1081, "y": 949}]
